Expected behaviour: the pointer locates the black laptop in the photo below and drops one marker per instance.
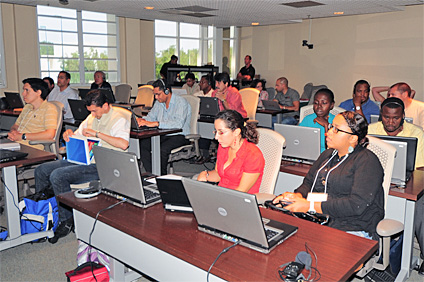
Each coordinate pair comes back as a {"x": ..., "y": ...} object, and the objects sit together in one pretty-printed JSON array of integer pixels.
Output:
[
  {"x": 209, "y": 107},
  {"x": 136, "y": 128},
  {"x": 9, "y": 155},
  {"x": 173, "y": 194},
  {"x": 14, "y": 100},
  {"x": 78, "y": 109}
]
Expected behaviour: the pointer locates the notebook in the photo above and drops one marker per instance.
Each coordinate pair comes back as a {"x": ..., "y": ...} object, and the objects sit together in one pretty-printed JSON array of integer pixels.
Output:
[
  {"x": 135, "y": 127},
  {"x": 271, "y": 105},
  {"x": 173, "y": 194},
  {"x": 119, "y": 174},
  {"x": 303, "y": 144},
  {"x": 79, "y": 149},
  {"x": 209, "y": 107},
  {"x": 411, "y": 150},
  {"x": 14, "y": 100},
  {"x": 234, "y": 215},
  {"x": 78, "y": 109},
  {"x": 9, "y": 155}
]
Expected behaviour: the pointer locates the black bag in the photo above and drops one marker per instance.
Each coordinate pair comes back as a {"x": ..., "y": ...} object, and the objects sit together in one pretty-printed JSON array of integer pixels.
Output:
[{"x": 3, "y": 103}]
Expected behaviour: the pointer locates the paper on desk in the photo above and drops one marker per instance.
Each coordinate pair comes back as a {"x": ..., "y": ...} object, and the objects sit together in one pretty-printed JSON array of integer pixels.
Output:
[{"x": 171, "y": 177}]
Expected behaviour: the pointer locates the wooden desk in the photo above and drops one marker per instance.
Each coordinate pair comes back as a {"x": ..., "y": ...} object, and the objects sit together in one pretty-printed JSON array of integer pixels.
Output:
[
  {"x": 168, "y": 247},
  {"x": 11, "y": 195},
  {"x": 400, "y": 206},
  {"x": 134, "y": 145}
]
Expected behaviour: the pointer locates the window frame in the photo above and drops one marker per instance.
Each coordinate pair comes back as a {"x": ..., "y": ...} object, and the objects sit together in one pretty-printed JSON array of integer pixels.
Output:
[
  {"x": 80, "y": 46},
  {"x": 3, "y": 78}
]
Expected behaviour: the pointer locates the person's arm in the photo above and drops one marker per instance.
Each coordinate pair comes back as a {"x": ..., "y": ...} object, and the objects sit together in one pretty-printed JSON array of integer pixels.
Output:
[
  {"x": 357, "y": 103},
  {"x": 295, "y": 106},
  {"x": 143, "y": 122},
  {"x": 117, "y": 142},
  {"x": 376, "y": 93},
  {"x": 209, "y": 175},
  {"x": 14, "y": 127},
  {"x": 43, "y": 135},
  {"x": 247, "y": 181}
]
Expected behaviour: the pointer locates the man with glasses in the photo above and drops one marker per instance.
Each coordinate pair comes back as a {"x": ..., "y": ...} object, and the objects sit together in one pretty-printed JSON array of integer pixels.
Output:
[
  {"x": 64, "y": 92},
  {"x": 205, "y": 85},
  {"x": 169, "y": 111},
  {"x": 191, "y": 86}
]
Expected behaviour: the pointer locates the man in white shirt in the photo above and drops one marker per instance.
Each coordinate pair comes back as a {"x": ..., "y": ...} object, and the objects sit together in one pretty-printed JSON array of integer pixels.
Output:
[
  {"x": 62, "y": 92},
  {"x": 191, "y": 86},
  {"x": 206, "y": 89}
]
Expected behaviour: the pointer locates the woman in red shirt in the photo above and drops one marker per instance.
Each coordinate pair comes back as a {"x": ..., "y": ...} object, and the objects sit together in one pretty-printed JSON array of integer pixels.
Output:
[{"x": 240, "y": 163}]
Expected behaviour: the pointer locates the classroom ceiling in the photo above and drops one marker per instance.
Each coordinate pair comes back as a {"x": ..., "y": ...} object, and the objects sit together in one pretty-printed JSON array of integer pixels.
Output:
[{"x": 225, "y": 13}]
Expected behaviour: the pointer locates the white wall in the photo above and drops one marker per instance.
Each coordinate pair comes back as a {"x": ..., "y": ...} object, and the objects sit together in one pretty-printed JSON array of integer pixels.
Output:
[{"x": 381, "y": 48}]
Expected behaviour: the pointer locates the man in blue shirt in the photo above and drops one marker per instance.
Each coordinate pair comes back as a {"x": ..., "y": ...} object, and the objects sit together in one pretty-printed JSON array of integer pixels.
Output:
[
  {"x": 169, "y": 111},
  {"x": 361, "y": 102}
]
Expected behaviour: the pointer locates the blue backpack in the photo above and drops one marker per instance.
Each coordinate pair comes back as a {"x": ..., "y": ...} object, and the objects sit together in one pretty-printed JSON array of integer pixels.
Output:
[{"x": 38, "y": 215}]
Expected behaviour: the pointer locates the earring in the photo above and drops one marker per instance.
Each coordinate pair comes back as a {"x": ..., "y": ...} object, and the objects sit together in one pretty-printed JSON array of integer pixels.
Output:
[{"x": 350, "y": 149}]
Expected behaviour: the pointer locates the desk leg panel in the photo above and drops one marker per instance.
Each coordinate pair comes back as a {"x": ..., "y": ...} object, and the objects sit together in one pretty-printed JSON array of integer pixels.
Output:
[{"x": 136, "y": 253}]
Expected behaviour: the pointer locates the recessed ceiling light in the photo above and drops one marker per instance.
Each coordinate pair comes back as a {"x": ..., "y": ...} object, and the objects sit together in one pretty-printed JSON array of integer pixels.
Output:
[
  {"x": 255, "y": 23},
  {"x": 338, "y": 13},
  {"x": 149, "y": 8}
]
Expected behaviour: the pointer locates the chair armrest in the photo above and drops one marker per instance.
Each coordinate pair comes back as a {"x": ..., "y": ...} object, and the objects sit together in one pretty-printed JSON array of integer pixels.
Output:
[
  {"x": 389, "y": 227},
  {"x": 43, "y": 142},
  {"x": 192, "y": 136},
  {"x": 262, "y": 197}
]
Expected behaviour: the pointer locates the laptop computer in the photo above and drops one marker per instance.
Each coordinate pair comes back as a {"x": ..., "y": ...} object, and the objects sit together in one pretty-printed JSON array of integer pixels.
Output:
[
  {"x": 399, "y": 170},
  {"x": 78, "y": 109},
  {"x": 9, "y": 145},
  {"x": 119, "y": 175},
  {"x": 82, "y": 92},
  {"x": 234, "y": 216},
  {"x": 173, "y": 194},
  {"x": 79, "y": 149},
  {"x": 376, "y": 118},
  {"x": 271, "y": 105},
  {"x": 303, "y": 144},
  {"x": 209, "y": 107},
  {"x": 14, "y": 100},
  {"x": 9, "y": 155},
  {"x": 136, "y": 128}
]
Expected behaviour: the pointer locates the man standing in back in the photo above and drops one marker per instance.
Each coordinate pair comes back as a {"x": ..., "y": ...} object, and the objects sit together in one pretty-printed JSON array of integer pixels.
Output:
[
  {"x": 246, "y": 73},
  {"x": 169, "y": 112},
  {"x": 361, "y": 102},
  {"x": 64, "y": 92},
  {"x": 289, "y": 99}
]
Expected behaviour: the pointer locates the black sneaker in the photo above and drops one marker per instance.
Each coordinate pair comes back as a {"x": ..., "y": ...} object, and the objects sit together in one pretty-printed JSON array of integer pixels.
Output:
[
  {"x": 62, "y": 230},
  {"x": 421, "y": 269}
]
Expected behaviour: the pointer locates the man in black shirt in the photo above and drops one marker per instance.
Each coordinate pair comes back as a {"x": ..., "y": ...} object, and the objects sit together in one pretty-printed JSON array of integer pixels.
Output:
[
  {"x": 246, "y": 73},
  {"x": 164, "y": 69}
]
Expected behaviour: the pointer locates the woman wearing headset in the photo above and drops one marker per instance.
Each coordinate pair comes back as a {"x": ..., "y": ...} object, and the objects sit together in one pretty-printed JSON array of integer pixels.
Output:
[{"x": 345, "y": 182}]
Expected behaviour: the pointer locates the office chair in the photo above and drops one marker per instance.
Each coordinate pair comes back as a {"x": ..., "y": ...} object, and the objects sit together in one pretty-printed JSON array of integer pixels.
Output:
[
  {"x": 309, "y": 109},
  {"x": 145, "y": 96},
  {"x": 386, "y": 228},
  {"x": 192, "y": 150},
  {"x": 271, "y": 144},
  {"x": 123, "y": 93},
  {"x": 50, "y": 145},
  {"x": 249, "y": 97}
]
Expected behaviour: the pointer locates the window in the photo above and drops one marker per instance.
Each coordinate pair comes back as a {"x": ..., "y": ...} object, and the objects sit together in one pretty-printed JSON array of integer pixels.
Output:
[
  {"x": 2, "y": 64},
  {"x": 180, "y": 39},
  {"x": 80, "y": 42},
  {"x": 229, "y": 54}
]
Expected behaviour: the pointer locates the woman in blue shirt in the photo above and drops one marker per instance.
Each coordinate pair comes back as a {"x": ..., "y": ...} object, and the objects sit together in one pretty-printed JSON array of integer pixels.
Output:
[{"x": 321, "y": 118}]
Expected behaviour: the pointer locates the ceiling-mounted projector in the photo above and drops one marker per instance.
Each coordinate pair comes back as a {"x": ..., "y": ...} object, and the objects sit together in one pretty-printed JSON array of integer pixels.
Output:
[{"x": 64, "y": 2}]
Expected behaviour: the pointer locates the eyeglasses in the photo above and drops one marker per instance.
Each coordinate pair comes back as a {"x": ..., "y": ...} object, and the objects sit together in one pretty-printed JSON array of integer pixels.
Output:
[
  {"x": 336, "y": 130},
  {"x": 220, "y": 132}
]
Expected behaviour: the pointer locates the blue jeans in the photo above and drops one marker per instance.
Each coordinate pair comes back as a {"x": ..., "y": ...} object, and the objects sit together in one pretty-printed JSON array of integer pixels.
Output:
[{"x": 60, "y": 175}]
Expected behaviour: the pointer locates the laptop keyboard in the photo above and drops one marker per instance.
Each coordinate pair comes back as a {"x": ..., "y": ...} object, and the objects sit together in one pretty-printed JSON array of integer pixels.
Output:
[
  {"x": 149, "y": 195},
  {"x": 270, "y": 234}
]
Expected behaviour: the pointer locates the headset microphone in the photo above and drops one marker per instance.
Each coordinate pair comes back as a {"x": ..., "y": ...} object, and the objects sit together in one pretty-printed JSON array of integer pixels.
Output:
[{"x": 165, "y": 89}]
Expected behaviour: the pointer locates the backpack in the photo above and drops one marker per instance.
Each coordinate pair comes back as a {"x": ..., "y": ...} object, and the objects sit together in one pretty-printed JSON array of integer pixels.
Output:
[{"x": 38, "y": 213}]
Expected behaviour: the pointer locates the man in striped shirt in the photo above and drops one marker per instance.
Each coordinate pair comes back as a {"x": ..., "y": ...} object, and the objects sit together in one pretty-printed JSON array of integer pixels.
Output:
[{"x": 38, "y": 120}]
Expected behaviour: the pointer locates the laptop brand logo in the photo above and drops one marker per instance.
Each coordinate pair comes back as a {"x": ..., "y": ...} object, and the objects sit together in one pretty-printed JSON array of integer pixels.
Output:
[
  {"x": 296, "y": 142},
  {"x": 116, "y": 173},
  {"x": 222, "y": 211}
]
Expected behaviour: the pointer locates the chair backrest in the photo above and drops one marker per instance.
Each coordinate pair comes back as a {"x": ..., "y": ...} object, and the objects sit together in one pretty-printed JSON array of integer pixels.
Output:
[
  {"x": 271, "y": 93},
  {"x": 54, "y": 148},
  {"x": 386, "y": 154},
  {"x": 145, "y": 95},
  {"x": 249, "y": 97},
  {"x": 271, "y": 144},
  {"x": 123, "y": 93},
  {"x": 309, "y": 109},
  {"x": 194, "y": 102}
]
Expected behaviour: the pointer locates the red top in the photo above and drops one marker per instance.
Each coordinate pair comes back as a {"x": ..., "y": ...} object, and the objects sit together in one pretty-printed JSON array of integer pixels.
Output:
[
  {"x": 233, "y": 99},
  {"x": 248, "y": 159}
]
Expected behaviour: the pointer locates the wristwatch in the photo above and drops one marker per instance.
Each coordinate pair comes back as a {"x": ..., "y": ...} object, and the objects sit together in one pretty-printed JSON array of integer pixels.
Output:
[
  {"x": 358, "y": 108},
  {"x": 24, "y": 136}
]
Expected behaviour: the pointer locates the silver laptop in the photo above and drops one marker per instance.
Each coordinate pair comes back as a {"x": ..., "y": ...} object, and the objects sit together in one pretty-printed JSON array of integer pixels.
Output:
[
  {"x": 302, "y": 143},
  {"x": 399, "y": 168},
  {"x": 271, "y": 105},
  {"x": 120, "y": 177},
  {"x": 234, "y": 216},
  {"x": 376, "y": 118}
]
